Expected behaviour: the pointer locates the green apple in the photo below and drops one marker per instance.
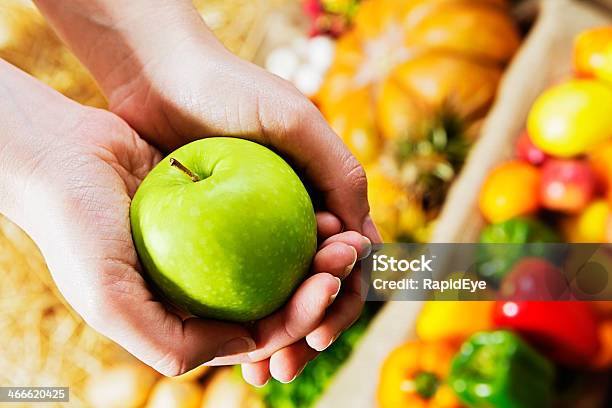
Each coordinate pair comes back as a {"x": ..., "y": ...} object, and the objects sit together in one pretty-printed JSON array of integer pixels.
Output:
[{"x": 224, "y": 228}]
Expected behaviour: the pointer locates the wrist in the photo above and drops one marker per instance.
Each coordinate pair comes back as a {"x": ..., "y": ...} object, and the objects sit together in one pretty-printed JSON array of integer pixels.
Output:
[
  {"x": 31, "y": 115},
  {"x": 122, "y": 43}
]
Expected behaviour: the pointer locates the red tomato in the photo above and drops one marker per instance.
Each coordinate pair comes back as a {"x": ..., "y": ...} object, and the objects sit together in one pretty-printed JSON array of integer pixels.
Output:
[{"x": 566, "y": 185}]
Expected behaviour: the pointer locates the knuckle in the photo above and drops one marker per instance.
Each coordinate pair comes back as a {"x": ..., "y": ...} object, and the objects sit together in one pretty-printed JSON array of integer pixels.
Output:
[
  {"x": 352, "y": 237},
  {"x": 356, "y": 176}
]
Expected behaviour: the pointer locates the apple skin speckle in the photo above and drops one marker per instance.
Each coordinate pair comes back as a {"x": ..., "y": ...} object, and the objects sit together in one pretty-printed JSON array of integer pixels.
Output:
[{"x": 232, "y": 246}]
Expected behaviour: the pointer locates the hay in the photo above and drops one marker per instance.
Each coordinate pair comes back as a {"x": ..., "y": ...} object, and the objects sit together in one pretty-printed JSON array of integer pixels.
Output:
[
  {"x": 242, "y": 25},
  {"x": 27, "y": 42},
  {"x": 43, "y": 341}
]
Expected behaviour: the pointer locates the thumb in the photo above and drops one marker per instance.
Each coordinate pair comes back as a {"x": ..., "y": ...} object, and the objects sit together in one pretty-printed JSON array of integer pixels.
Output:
[
  {"x": 313, "y": 146},
  {"x": 163, "y": 340}
]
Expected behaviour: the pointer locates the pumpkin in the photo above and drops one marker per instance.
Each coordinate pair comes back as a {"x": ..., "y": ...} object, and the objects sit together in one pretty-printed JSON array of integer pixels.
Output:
[
  {"x": 403, "y": 60},
  {"x": 405, "y": 70}
]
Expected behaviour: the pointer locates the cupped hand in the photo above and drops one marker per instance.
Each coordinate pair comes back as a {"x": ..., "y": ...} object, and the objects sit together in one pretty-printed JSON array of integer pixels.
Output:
[
  {"x": 177, "y": 83},
  {"x": 78, "y": 169},
  {"x": 196, "y": 94}
]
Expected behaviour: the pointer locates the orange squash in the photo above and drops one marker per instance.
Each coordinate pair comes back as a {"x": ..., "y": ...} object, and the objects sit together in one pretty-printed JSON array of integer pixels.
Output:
[
  {"x": 404, "y": 59},
  {"x": 405, "y": 70}
]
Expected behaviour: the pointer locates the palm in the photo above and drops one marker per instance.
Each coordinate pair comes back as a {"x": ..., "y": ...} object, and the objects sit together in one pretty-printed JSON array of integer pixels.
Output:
[
  {"x": 96, "y": 266},
  {"x": 78, "y": 168},
  {"x": 181, "y": 102}
]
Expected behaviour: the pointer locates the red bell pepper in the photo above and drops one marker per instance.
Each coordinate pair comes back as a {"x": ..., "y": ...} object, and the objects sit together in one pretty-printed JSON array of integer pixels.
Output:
[{"x": 567, "y": 332}]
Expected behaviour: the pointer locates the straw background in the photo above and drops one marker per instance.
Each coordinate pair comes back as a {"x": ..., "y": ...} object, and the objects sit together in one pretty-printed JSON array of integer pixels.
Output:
[{"x": 43, "y": 341}]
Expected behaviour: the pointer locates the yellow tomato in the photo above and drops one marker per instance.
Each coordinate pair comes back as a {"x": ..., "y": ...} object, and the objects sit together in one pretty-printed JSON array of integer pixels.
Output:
[
  {"x": 593, "y": 53},
  {"x": 511, "y": 189},
  {"x": 590, "y": 225},
  {"x": 572, "y": 118},
  {"x": 449, "y": 320}
]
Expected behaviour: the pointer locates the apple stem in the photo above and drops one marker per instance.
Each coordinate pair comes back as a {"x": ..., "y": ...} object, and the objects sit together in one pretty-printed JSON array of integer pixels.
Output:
[{"x": 181, "y": 167}]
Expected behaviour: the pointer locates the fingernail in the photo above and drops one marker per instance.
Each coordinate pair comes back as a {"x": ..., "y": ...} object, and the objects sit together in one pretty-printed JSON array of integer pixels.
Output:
[
  {"x": 328, "y": 344},
  {"x": 261, "y": 385},
  {"x": 300, "y": 371},
  {"x": 370, "y": 228},
  {"x": 335, "y": 295},
  {"x": 288, "y": 381},
  {"x": 236, "y": 346},
  {"x": 349, "y": 268},
  {"x": 294, "y": 377},
  {"x": 366, "y": 247}
]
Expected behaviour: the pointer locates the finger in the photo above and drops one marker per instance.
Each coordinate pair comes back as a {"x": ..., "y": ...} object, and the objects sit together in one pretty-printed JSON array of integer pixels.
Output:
[
  {"x": 256, "y": 374},
  {"x": 362, "y": 244},
  {"x": 178, "y": 346},
  {"x": 343, "y": 313},
  {"x": 127, "y": 313},
  {"x": 340, "y": 316},
  {"x": 302, "y": 314},
  {"x": 305, "y": 137},
  {"x": 287, "y": 363},
  {"x": 336, "y": 258},
  {"x": 370, "y": 231},
  {"x": 327, "y": 224}
]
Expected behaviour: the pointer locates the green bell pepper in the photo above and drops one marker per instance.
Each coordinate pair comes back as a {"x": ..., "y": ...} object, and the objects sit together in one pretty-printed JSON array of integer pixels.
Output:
[
  {"x": 500, "y": 370},
  {"x": 495, "y": 260}
]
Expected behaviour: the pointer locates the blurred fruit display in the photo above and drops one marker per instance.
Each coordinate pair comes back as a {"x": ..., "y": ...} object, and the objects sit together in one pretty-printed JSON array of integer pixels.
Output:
[
  {"x": 406, "y": 91},
  {"x": 516, "y": 351},
  {"x": 331, "y": 17},
  {"x": 564, "y": 159}
]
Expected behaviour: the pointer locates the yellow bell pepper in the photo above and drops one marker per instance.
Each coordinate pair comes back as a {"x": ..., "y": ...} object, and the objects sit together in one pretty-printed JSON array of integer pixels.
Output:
[
  {"x": 414, "y": 376},
  {"x": 453, "y": 320}
]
